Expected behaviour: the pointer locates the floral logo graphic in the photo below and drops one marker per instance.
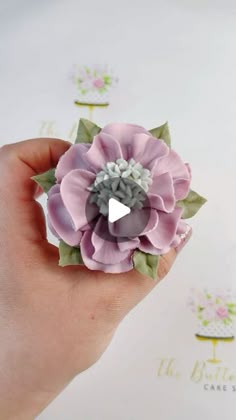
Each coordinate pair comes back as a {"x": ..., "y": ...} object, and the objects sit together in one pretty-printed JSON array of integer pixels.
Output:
[
  {"x": 215, "y": 312},
  {"x": 94, "y": 84},
  {"x": 98, "y": 79}
]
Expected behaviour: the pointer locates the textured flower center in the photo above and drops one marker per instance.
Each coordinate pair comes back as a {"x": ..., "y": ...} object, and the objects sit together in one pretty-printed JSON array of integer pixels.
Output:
[{"x": 125, "y": 181}]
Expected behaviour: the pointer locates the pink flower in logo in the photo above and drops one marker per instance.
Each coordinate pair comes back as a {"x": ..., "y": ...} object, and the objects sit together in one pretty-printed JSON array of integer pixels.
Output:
[
  {"x": 98, "y": 83},
  {"x": 222, "y": 312}
]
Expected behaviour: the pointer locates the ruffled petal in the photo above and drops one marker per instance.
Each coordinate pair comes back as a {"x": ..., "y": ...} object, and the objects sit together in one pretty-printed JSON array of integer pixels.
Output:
[
  {"x": 106, "y": 251},
  {"x": 87, "y": 251},
  {"x": 124, "y": 134},
  {"x": 166, "y": 229},
  {"x": 74, "y": 195},
  {"x": 172, "y": 163},
  {"x": 147, "y": 150},
  {"x": 54, "y": 190},
  {"x": 129, "y": 225},
  {"x": 51, "y": 228},
  {"x": 129, "y": 244},
  {"x": 182, "y": 185},
  {"x": 103, "y": 149},
  {"x": 74, "y": 158},
  {"x": 161, "y": 193},
  {"x": 147, "y": 247},
  {"x": 179, "y": 171},
  {"x": 61, "y": 222}
]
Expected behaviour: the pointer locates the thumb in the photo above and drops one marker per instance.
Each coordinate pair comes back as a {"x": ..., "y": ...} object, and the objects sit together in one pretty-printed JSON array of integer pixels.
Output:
[
  {"x": 20, "y": 161},
  {"x": 19, "y": 212}
]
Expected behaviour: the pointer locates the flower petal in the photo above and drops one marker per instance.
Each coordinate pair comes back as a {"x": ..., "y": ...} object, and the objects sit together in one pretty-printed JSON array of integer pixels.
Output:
[
  {"x": 54, "y": 190},
  {"x": 103, "y": 149},
  {"x": 87, "y": 251},
  {"x": 124, "y": 134},
  {"x": 179, "y": 171},
  {"x": 106, "y": 251},
  {"x": 74, "y": 195},
  {"x": 130, "y": 225},
  {"x": 161, "y": 193},
  {"x": 61, "y": 222},
  {"x": 163, "y": 235},
  {"x": 147, "y": 150},
  {"x": 172, "y": 163},
  {"x": 146, "y": 246},
  {"x": 51, "y": 228},
  {"x": 74, "y": 158},
  {"x": 181, "y": 187},
  {"x": 129, "y": 244}
]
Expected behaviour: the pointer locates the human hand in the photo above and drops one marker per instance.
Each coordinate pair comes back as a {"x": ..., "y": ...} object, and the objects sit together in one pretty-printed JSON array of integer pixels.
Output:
[{"x": 54, "y": 322}]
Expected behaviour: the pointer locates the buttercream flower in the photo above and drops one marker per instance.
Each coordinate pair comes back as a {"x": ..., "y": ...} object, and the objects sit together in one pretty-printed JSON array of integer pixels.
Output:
[{"x": 132, "y": 165}]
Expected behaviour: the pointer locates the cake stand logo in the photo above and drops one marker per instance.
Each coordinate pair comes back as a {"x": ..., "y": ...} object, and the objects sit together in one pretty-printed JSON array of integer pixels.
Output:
[
  {"x": 215, "y": 312},
  {"x": 94, "y": 86}
]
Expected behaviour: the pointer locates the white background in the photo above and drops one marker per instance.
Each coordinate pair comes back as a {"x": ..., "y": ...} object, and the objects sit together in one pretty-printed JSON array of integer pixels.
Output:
[{"x": 176, "y": 61}]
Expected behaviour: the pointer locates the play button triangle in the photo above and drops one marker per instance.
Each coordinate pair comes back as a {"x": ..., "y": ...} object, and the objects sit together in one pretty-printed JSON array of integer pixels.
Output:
[{"x": 116, "y": 210}]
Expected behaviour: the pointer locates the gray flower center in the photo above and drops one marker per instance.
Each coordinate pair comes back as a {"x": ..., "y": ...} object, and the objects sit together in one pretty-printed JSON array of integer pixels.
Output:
[{"x": 125, "y": 181}]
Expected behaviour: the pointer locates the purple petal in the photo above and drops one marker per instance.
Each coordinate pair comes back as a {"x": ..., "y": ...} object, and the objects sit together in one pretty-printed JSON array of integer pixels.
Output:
[
  {"x": 146, "y": 246},
  {"x": 103, "y": 149},
  {"x": 179, "y": 171},
  {"x": 74, "y": 195},
  {"x": 106, "y": 251},
  {"x": 129, "y": 244},
  {"x": 74, "y": 158},
  {"x": 129, "y": 225},
  {"x": 87, "y": 251},
  {"x": 161, "y": 193},
  {"x": 165, "y": 231},
  {"x": 147, "y": 150},
  {"x": 182, "y": 185},
  {"x": 124, "y": 134},
  {"x": 51, "y": 228},
  {"x": 61, "y": 222},
  {"x": 55, "y": 189}
]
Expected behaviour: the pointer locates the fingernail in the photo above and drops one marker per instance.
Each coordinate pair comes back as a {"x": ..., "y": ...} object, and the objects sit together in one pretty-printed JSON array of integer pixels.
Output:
[{"x": 184, "y": 240}]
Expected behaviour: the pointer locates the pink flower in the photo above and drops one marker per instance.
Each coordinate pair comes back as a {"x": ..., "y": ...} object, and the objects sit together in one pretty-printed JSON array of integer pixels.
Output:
[
  {"x": 222, "y": 312},
  {"x": 161, "y": 173},
  {"x": 98, "y": 83}
]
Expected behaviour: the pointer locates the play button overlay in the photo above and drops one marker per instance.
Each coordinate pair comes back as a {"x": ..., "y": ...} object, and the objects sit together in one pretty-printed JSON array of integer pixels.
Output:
[{"x": 117, "y": 209}]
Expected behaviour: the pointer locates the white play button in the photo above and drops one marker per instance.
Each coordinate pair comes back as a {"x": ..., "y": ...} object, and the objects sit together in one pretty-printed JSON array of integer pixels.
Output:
[{"x": 116, "y": 210}]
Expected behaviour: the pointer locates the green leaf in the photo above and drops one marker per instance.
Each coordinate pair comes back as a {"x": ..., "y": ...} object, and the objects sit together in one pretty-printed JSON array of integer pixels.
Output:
[
  {"x": 146, "y": 264},
  {"x": 231, "y": 305},
  {"x": 163, "y": 133},
  {"x": 191, "y": 204},
  {"x": 86, "y": 131},
  {"x": 232, "y": 311},
  {"x": 69, "y": 255},
  {"x": 45, "y": 180},
  {"x": 205, "y": 323}
]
